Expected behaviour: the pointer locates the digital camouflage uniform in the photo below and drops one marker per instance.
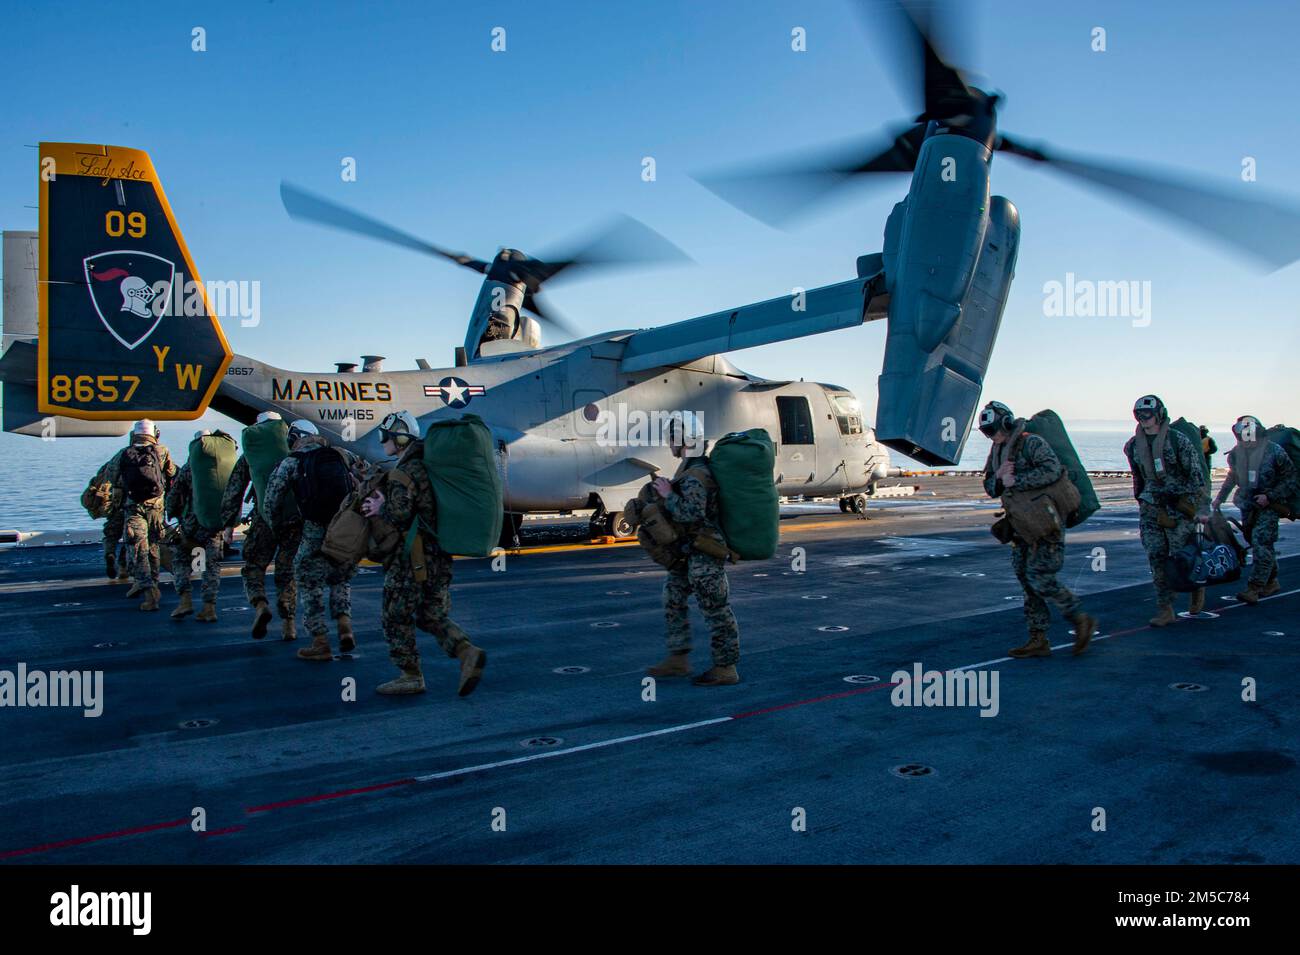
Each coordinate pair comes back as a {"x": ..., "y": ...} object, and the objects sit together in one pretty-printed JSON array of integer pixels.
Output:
[
  {"x": 313, "y": 572},
  {"x": 1277, "y": 479},
  {"x": 1184, "y": 477},
  {"x": 409, "y": 603},
  {"x": 188, "y": 537},
  {"x": 1036, "y": 566},
  {"x": 115, "y": 515},
  {"x": 144, "y": 525},
  {"x": 695, "y": 507},
  {"x": 261, "y": 546}
]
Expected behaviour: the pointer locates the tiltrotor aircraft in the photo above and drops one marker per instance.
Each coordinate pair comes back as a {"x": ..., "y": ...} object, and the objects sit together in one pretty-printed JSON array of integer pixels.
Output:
[{"x": 576, "y": 424}]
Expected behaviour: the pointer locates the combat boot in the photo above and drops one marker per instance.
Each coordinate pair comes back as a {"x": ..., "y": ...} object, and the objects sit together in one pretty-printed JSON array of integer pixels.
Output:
[
  {"x": 1250, "y": 595},
  {"x": 110, "y": 566},
  {"x": 472, "y": 661},
  {"x": 1084, "y": 627},
  {"x": 1271, "y": 588},
  {"x": 261, "y": 618},
  {"x": 717, "y": 676},
  {"x": 411, "y": 680},
  {"x": 675, "y": 664},
  {"x": 208, "y": 614},
  {"x": 1164, "y": 618},
  {"x": 185, "y": 607},
  {"x": 1036, "y": 646},
  {"x": 347, "y": 639},
  {"x": 1198, "y": 601},
  {"x": 135, "y": 591},
  {"x": 319, "y": 649},
  {"x": 287, "y": 630},
  {"x": 151, "y": 598}
]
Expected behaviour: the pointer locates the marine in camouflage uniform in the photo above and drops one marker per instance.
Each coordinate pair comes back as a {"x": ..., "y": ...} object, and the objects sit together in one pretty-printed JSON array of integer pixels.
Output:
[
  {"x": 114, "y": 521},
  {"x": 261, "y": 547},
  {"x": 186, "y": 537},
  {"x": 692, "y": 504},
  {"x": 1033, "y": 464},
  {"x": 408, "y": 601},
  {"x": 1255, "y": 468},
  {"x": 144, "y": 528},
  {"x": 313, "y": 572},
  {"x": 1166, "y": 493}
]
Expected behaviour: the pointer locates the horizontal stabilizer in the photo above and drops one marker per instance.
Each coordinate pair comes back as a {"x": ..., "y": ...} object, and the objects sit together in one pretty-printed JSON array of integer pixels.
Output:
[{"x": 825, "y": 309}]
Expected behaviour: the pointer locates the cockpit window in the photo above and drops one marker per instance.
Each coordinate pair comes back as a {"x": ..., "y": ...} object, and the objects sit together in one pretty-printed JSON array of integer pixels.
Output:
[{"x": 848, "y": 413}]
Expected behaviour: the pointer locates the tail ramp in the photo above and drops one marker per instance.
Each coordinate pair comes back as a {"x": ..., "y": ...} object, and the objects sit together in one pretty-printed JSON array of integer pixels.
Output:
[{"x": 124, "y": 326}]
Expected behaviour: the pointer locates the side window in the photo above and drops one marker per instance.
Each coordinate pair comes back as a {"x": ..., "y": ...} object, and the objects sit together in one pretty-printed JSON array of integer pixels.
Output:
[{"x": 796, "y": 420}]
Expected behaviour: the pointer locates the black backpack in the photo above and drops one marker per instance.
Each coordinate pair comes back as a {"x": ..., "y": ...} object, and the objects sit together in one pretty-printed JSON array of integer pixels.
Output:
[
  {"x": 141, "y": 470},
  {"x": 323, "y": 481}
]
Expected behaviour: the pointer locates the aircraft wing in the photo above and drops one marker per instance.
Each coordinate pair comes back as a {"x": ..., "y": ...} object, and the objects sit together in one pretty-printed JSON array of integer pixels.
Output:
[{"x": 824, "y": 309}]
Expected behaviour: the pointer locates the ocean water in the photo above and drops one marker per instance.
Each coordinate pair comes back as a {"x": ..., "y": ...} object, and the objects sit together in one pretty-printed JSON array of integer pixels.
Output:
[{"x": 41, "y": 481}]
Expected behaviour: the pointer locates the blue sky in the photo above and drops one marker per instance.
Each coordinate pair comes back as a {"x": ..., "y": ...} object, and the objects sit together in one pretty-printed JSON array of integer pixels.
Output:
[{"x": 474, "y": 149}]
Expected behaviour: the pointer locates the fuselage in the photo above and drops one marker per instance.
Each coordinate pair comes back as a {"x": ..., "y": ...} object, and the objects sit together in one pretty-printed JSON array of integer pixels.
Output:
[{"x": 572, "y": 429}]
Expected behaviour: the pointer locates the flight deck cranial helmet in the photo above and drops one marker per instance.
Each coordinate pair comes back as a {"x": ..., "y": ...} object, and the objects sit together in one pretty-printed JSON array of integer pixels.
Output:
[
  {"x": 144, "y": 428},
  {"x": 300, "y": 429},
  {"x": 686, "y": 430},
  {"x": 400, "y": 427},
  {"x": 1248, "y": 429},
  {"x": 268, "y": 416},
  {"x": 1148, "y": 407},
  {"x": 996, "y": 417}
]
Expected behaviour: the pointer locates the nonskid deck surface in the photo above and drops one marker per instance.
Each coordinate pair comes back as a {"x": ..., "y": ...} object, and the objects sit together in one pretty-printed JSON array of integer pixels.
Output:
[{"x": 579, "y": 767}]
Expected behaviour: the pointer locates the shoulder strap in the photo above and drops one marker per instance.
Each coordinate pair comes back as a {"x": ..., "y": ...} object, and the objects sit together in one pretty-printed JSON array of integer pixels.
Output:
[{"x": 702, "y": 473}]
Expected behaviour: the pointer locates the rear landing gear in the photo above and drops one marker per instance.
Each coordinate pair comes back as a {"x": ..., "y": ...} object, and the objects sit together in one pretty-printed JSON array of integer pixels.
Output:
[
  {"x": 613, "y": 525},
  {"x": 854, "y": 503}
]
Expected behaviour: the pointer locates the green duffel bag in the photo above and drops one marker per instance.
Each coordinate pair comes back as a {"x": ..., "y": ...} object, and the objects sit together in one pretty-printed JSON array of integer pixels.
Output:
[
  {"x": 1047, "y": 425},
  {"x": 1288, "y": 439},
  {"x": 459, "y": 456},
  {"x": 212, "y": 458},
  {"x": 265, "y": 446},
  {"x": 743, "y": 464}
]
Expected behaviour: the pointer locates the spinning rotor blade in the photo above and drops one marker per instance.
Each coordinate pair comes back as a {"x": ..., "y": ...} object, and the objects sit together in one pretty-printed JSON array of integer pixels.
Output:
[
  {"x": 1267, "y": 230},
  {"x": 943, "y": 90},
  {"x": 621, "y": 241},
  {"x": 546, "y": 314},
  {"x": 303, "y": 205},
  {"x": 780, "y": 193}
]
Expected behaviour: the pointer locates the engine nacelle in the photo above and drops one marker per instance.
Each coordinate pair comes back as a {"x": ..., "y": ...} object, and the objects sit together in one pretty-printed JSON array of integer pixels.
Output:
[{"x": 949, "y": 257}]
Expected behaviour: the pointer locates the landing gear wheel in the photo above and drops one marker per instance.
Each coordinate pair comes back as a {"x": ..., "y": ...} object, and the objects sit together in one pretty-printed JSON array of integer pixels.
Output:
[
  {"x": 617, "y": 526},
  {"x": 858, "y": 504},
  {"x": 844, "y": 505}
]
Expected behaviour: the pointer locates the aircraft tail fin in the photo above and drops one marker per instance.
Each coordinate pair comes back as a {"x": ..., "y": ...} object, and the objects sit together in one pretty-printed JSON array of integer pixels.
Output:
[{"x": 125, "y": 328}]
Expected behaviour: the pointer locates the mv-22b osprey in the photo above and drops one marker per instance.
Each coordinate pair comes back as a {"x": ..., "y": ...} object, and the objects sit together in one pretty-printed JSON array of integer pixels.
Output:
[{"x": 114, "y": 345}]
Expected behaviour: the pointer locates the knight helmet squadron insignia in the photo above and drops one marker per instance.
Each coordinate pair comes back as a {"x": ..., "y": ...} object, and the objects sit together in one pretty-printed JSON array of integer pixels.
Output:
[{"x": 130, "y": 291}]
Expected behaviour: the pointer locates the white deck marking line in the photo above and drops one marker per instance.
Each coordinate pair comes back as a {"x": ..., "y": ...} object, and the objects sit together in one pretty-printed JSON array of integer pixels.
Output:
[
  {"x": 572, "y": 749},
  {"x": 483, "y": 767}
]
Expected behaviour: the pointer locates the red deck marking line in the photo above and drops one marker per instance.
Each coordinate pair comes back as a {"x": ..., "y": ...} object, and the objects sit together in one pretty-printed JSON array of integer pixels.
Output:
[
  {"x": 304, "y": 800},
  {"x": 225, "y": 831},
  {"x": 817, "y": 699},
  {"x": 82, "y": 840}
]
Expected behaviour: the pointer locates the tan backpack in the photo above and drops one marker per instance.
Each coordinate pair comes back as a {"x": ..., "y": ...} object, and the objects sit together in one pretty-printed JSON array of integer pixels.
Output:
[{"x": 352, "y": 537}]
